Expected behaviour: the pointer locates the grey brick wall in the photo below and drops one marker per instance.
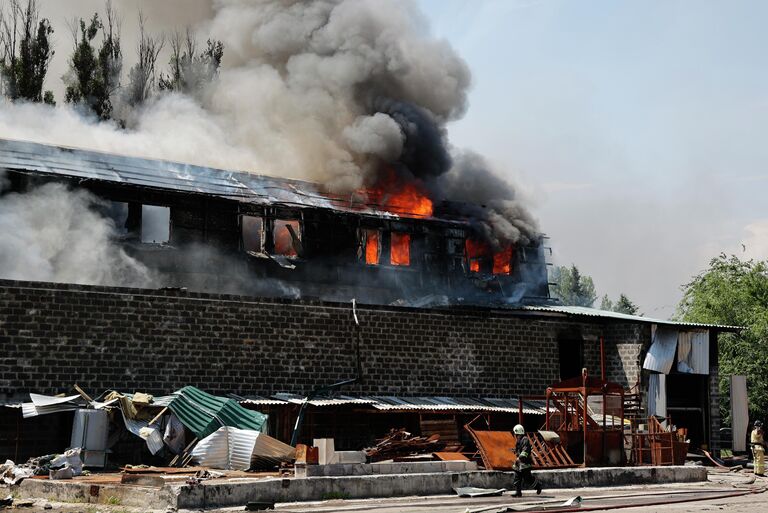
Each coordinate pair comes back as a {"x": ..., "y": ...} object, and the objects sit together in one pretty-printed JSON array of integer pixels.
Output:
[{"x": 158, "y": 341}]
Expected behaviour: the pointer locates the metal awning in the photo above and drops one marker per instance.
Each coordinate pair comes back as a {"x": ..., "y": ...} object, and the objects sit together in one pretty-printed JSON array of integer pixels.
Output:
[{"x": 421, "y": 403}]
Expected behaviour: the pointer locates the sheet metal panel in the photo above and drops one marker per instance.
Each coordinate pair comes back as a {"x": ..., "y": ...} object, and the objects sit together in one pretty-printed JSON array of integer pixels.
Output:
[
  {"x": 661, "y": 354},
  {"x": 606, "y": 314},
  {"x": 657, "y": 395},
  {"x": 739, "y": 412},
  {"x": 699, "y": 357},
  {"x": 240, "y": 186},
  {"x": 231, "y": 448}
]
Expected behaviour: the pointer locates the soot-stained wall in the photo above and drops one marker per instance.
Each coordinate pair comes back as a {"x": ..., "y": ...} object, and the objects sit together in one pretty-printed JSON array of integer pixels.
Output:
[{"x": 157, "y": 341}]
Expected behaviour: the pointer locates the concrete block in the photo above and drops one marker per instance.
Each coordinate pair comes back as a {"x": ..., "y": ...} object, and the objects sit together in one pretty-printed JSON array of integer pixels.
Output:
[
  {"x": 325, "y": 450},
  {"x": 348, "y": 457}
]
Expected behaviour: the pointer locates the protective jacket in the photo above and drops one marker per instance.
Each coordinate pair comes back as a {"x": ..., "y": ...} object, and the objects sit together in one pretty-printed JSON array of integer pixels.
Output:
[{"x": 523, "y": 451}]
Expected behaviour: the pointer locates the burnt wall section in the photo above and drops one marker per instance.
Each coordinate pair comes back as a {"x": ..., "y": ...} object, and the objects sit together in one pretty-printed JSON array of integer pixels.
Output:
[{"x": 158, "y": 341}]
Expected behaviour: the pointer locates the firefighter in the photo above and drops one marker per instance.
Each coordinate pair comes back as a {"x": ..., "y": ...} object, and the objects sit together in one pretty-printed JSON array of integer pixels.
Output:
[
  {"x": 523, "y": 464},
  {"x": 758, "y": 448}
]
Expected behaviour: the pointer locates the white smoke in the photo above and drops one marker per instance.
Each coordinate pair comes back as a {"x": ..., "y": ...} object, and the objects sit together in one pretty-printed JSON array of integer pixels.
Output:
[{"x": 53, "y": 234}]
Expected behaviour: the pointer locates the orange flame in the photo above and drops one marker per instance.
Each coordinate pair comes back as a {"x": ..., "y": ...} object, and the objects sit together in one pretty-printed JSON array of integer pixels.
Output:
[
  {"x": 372, "y": 247},
  {"x": 395, "y": 195},
  {"x": 502, "y": 261},
  {"x": 476, "y": 251},
  {"x": 400, "y": 249},
  {"x": 479, "y": 252}
]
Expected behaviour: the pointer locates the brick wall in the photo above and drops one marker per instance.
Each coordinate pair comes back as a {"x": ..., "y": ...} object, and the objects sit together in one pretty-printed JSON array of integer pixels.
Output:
[{"x": 158, "y": 341}]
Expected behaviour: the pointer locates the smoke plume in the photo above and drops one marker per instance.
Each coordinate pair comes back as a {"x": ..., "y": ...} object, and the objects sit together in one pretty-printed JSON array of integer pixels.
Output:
[
  {"x": 54, "y": 234},
  {"x": 331, "y": 91}
]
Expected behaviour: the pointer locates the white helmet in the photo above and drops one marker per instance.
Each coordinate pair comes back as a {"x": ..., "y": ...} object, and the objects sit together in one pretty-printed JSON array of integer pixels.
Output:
[{"x": 518, "y": 430}]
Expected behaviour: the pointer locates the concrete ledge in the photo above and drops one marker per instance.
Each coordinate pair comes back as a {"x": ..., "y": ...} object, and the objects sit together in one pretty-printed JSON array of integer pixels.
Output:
[
  {"x": 368, "y": 469},
  {"x": 87, "y": 493},
  {"x": 239, "y": 491},
  {"x": 221, "y": 494}
]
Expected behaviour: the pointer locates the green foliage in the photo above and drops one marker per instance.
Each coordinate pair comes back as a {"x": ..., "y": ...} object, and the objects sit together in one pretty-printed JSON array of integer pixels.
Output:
[
  {"x": 191, "y": 71},
  {"x": 26, "y": 52},
  {"x": 622, "y": 305},
  {"x": 735, "y": 292},
  {"x": 572, "y": 288},
  {"x": 96, "y": 73}
]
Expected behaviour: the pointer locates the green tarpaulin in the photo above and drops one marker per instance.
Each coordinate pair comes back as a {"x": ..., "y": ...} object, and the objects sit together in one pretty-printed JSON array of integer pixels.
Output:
[{"x": 203, "y": 413}]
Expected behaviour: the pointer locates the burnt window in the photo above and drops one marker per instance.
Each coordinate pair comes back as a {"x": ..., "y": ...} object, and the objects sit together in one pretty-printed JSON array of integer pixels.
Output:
[
  {"x": 372, "y": 246},
  {"x": 155, "y": 224},
  {"x": 252, "y": 228},
  {"x": 286, "y": 236},
  {"x": 400, "y": 249},
  {"x": 502, "y": 261},
  {"x": 477, "y": 255}
]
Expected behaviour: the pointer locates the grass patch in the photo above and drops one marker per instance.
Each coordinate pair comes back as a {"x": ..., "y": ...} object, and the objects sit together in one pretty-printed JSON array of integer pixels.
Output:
[{"x": 114, "y": 501}]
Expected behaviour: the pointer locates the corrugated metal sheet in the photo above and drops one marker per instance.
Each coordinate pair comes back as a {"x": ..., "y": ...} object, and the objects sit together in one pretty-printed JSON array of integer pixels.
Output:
[
  {"x": 160, "y": 174},
  {"x": 425, "y": 403},
  {"x": 739, "y": 412},
  {"x": 203, "y": 413},
  {"x": 657, "y": 395},
  {"x": 453, "y": 404},
  {"x": 606, "y": 314},
  {"x": 340, "y": 400},
  {"x": 45, "y": 404},
  {"x": 699, "y": 356},
  {"x": 231, "y": 448},
  {"x": 261, "y": 401},
  {"x": 661, "y": 354}
]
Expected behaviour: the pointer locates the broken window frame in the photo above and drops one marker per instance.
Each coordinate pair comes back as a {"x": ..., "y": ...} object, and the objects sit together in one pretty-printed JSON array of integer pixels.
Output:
[
  {"x": 365, "y": 237},
  {"x": 409, "y": 245},
  {"x": 262, "y": 231},
  {"x": 297, "y": 236},
  {"x": 145, "y": 208}
]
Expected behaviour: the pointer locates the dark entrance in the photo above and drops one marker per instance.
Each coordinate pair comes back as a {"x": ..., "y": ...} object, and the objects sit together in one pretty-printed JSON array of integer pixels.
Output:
[{"x": 570, "y": 346}]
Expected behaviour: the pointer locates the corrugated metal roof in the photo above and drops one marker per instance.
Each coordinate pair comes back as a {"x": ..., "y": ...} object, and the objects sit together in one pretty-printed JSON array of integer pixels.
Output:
[
  {"x": 423, "y": 403},
  {"x": 260, "y": 401},
  {"x": 339, "y": 400},
  {"x": 607, "y": 314},
  {"x": 162, "y": 174},
  {"x": 203, "y": 413}
]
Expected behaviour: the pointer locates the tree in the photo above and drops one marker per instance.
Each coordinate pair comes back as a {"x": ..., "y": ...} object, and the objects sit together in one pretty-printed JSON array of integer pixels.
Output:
[
  {"x": 572, "y": 288},
  {"x": 622, "y": 305},
  {"x": 26, "y": 52},
  {"x": 191, "y": 71},
  {"x": 141, "y": 77},
  {"x": 625, "y": 305},
  {"x": 734, "y": 292},
  {"x": 95, "y": 75}
]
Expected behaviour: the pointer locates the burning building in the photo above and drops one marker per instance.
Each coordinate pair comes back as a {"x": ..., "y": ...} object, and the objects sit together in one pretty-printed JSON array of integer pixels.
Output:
[
  {"x": 242, "y": 284},
  {"x": 224, "y": 231}
]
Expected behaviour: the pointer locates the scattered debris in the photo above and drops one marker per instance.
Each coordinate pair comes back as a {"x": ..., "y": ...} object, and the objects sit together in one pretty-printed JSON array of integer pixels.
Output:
[
  {"x": 471, "y": 491},
  {"x": 399, "y": 442}
]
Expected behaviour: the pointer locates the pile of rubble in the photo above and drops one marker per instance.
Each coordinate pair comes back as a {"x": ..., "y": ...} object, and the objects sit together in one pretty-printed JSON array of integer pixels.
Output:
[{"x": 399, "y": 443}]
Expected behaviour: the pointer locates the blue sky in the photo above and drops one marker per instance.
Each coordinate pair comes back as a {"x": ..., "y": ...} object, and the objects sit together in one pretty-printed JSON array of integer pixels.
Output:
[{"x": 636, "y": 130}]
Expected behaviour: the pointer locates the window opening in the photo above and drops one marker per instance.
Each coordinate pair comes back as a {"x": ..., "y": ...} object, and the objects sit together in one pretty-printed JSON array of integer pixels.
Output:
[
  {"x": 372, "y": 246},
  {"x": 155, "y": 224},
  {"x": 287, "y": 237},
  {"x": 252, "y": 233},
  {"x": 502, "y": 261},
  {"x": 400, "y": 249}
]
